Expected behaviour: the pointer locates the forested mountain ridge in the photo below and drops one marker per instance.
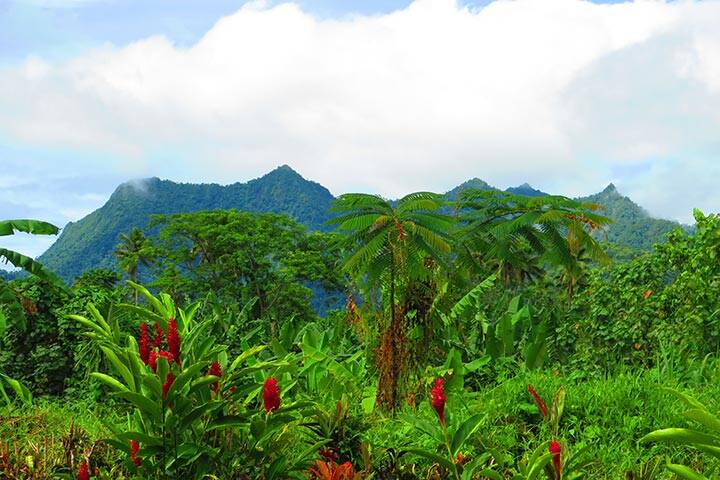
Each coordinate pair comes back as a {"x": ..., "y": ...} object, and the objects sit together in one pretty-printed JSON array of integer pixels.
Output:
[
  {"x": 89, "y": 242},
  {"x": 632, "y": 226}
]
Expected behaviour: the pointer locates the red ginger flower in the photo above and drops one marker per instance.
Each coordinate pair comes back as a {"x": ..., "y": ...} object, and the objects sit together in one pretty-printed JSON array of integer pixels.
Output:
[
  {"x": 437, "y": 395},
  {"x": 538, "y": 401},
  {"x": 215, "y": 371},
  {"x": 168, "y": 383},
  {"x": 158, "y": 335},
  {"x": 271, "y": 394},
  {"x": 144, "y": 343},
  {"x": 83, "y": 471},
  {"x": 152, "y": 361},
  {"x": 173, "y": 340},
  {"x": 555, "y": 451},
  {"x": 134, "y": 449}
]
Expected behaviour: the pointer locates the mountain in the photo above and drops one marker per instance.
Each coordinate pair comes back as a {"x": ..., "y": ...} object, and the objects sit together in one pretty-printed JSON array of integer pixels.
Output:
[
  {"x": 89, "y": 242},
  {"x": 632, "y": 226},
  {"x": 474, "y": 183},
  {"x": 527, "y": 190}
]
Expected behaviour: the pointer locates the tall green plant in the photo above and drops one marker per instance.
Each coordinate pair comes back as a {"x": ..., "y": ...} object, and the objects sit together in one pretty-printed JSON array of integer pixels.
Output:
[{"x": 388, "y": 246}]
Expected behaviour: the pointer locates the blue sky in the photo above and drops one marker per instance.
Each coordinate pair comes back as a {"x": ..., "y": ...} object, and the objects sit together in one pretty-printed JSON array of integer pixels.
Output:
[
  {"x": 61, "y": 28},
  {"x": 383, "y": 96}
]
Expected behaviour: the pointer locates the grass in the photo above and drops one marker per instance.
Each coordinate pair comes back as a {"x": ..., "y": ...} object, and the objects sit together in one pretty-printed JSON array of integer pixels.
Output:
[
  {"x": 49, "y": 437},
  {"x": 607, "y": 415}
]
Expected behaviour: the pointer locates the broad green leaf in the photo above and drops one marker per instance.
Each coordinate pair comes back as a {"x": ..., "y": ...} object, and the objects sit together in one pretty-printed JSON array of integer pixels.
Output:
[
  {"x": 463, "y": 432},
  {"x": 685, "y": 472},
  {"x": 681, "y": 435},
  {"x": 142, "y": 402},
  {"x": 110, "y": 382}
]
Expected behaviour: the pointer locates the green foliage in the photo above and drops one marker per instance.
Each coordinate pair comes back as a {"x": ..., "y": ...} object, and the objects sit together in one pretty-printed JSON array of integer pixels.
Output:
[
  {"x": 656, "y": 308},
  {"x": 47, "y": 354},
  {"x": 510, "y": 291},
  {"x": 176, "y": 416},
  {"x": 239, "y": 256},
  {"x": 515, "y": 235},
  {"x": 90, "y": 242},
  {"x": 391, "y": 250},
  {"x": 10, "y": 303},
  {"x": 632, "y": 227},
  {"x": 707, "y": 443}
]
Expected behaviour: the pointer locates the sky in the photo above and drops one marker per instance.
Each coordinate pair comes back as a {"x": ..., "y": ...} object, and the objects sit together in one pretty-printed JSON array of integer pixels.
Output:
[{"x": 377, "y": 96}]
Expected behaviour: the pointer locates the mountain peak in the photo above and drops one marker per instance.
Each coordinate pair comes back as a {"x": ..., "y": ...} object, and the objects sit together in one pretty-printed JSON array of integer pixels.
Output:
[
  {"x": 283, "y": 171},
  {"x": 527, "y": 190},
  {"x": 473, "y": 183},
  {"x": 610, "y": 188}
]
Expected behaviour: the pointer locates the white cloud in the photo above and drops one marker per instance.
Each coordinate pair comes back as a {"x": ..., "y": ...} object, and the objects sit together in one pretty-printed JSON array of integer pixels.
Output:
[{"x": 556, "y": 92}]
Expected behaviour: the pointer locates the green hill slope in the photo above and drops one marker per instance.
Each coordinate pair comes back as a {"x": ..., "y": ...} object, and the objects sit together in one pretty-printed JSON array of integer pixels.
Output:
[
  {"x": 89, "y": 242},
  {"x": 632, "y": 225}
]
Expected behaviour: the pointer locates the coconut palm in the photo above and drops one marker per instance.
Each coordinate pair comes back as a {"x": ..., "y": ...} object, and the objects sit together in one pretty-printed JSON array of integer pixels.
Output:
[
  {"x": 389, "y": 246},
  {"x": 132, "y": 251}
]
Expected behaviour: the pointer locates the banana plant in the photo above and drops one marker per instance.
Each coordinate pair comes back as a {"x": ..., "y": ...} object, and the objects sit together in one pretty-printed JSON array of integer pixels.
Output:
[
  {"x": 707, "y": 442},
  {"x": 519, "y": 332}
]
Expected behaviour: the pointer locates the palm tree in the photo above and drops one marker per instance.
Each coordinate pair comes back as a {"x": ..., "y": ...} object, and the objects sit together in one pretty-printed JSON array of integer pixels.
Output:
[
  {"x": 132, "y": 251},
  {"x": 390, "y": 245},
  {"x": 8, "y": 297},
  {"x": 515, "y": 234}
]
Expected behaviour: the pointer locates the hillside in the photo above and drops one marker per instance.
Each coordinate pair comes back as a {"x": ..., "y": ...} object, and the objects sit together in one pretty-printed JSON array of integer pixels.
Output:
[
  {"x": 89, "y": 242},
  {"x": 632, "y": 225}
]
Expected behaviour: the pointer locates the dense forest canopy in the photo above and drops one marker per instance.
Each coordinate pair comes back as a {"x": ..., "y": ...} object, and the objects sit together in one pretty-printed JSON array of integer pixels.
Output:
[{"x": 478, "y": 335}]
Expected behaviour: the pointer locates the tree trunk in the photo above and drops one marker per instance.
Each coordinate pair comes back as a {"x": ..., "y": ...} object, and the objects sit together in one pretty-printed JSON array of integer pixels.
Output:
[
  {"x": 391, "y": 356},
  {"x": 134, "y": 276}
]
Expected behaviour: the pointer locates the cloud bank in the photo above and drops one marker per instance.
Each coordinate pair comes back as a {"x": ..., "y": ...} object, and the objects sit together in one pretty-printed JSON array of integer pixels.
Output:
[{"x": 566, "y": 94}]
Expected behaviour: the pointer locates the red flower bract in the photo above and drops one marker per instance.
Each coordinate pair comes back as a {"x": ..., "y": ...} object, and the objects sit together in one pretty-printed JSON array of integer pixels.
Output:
[
  {"x": 438, "y": 398},
  {"x": 158, "y": 335},
  {"x": 168, "y": 383},
  {"x": 215, "y": 371},
  {"x": 555, "y": 451},
  {"x": 144, "y": 343},
  {"x": 271, "y": 395},
  {"x": 83, "y": 471},
  {"x": 134, "y": 449},
  {"x": 173, "y": 340},
  {"x": 152, "y": 361},
  {"x": 538, "y": 401}
]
